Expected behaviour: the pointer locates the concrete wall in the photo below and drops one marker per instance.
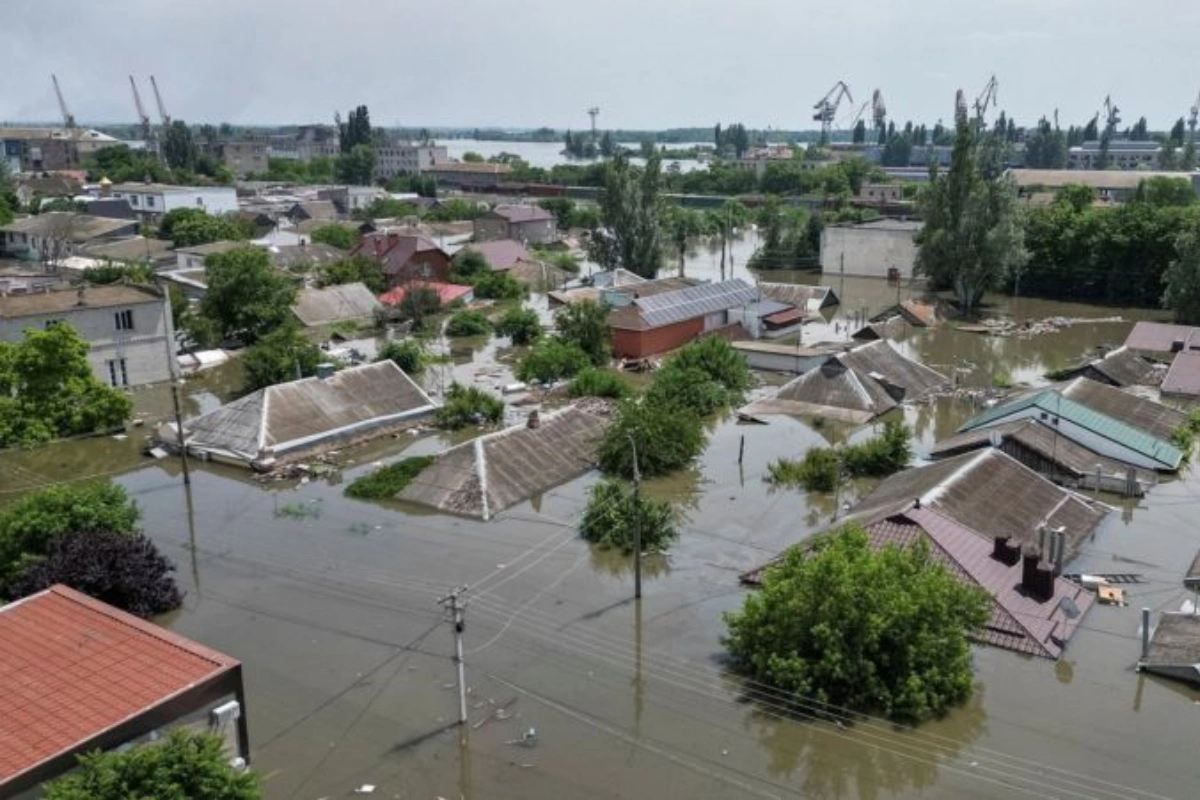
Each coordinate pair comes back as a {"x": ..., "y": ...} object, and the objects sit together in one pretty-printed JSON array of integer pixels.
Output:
[
  {"x": 867, "y": 251},
  {"x": 491, "y": 228},
  {"x": 147, "y": 350},
  {"x": 542, "y": 231}
]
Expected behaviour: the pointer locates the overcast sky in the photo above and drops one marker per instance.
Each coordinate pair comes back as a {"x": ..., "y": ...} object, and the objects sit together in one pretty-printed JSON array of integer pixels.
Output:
[{"x": 645, "y": 63}]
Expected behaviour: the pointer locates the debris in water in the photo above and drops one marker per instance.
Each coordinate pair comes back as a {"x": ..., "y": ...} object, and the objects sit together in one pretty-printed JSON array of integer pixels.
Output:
[{"x": 366, "y": 788}]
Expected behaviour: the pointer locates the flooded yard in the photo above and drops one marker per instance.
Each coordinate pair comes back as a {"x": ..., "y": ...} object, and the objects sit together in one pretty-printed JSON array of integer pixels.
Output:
[{"x": 331, "y": 604}]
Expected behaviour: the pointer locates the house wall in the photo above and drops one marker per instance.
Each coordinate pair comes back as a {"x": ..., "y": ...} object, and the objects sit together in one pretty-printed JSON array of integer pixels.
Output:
[
  {"x": 147, "y": 350},
  {"x": 154, "y": 203},
  {"x": 491, "y": 227},
  {"x": 32, "y": 247},
  {"x": 639, "y": 344},
  {"x": 432, "y": 265},
  {"x": 540, "y": 231},
  {"x": 867, "y": 252}
]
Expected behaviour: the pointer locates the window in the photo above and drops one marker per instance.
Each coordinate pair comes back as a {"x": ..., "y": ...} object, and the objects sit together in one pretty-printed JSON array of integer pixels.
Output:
[
  {"x": 50, "y": 323},
  {"x": 149, "y": 202},
  {"x": 117, "y": 376},
  {"x": 133, "y": 199},
  {"x": 124, "y": 320},
  {"x": 200, "y": 202}
]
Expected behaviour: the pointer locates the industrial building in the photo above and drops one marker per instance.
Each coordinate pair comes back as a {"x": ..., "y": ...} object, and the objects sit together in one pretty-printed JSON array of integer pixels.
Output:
[{"x": 880, "y": 249}]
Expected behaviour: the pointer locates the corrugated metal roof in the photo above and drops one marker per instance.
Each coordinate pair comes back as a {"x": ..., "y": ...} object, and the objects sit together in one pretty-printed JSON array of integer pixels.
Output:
[
  {"x": 72, "y": 667},
  {"x": 694, "y": 301},
  {"x": 1123, "y": 367},
  {"x": 1157, "y": 419},
  {"x": 350, "y": 301},
  {"x": 799, "y": 295},
  {"x": 1160, "y": 337}
]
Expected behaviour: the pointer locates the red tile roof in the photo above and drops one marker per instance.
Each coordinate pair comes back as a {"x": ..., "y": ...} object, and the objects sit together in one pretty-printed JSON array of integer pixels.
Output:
[
  {"x": 72, "y": 667},
  {"x": 785, "y": 317},
  {"x": 447, "y": 292}
]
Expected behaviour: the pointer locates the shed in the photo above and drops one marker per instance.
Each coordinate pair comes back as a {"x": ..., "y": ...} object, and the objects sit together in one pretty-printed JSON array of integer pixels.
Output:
[
  {"x": 350, "y": 302},
  {"x": 484, "y": 476},
  {"x": 77, "y": 675},
  {"x": 292, "y": 419}
]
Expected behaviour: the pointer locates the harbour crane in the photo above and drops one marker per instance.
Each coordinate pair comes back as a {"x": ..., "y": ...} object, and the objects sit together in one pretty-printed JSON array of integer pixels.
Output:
[
  {"x": 857, "y": 115},
  {"x": 1112, "y": 116},
  {"x": 68, "y": 117},
  {"x": 878, "y": 110},
  {"x": 162, "y": 109},
  {"x": 827, "y": 107},
  {"x": 1195, "y": 112},
  {"x": 986, "y": 98},
  {"x": 143, "y": 117}
]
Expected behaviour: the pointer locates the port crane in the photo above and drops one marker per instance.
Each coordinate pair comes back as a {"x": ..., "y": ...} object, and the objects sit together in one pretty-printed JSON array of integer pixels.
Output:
[
  {"x": 162, "y": 109},
  {"x": 143, "y": 118},
  {"x": 68, "y": 117},
  {"x": 827, "y": 107}
]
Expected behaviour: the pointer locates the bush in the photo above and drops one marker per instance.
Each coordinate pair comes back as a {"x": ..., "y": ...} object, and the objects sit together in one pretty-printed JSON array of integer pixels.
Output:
[
  {"x": 687, "y": 387},
  {"x": 498, "y": 286},
  {"x": 611, "y": 515},
  {"x": 550, "y": 360},
  {"x": 408, "y": 355},
  {"x": 467, "y": 405},
  {"x": 338, "y": 236},
  {"x": 468, "y": 265},
  {"x": 388, "y": 481},
  {"x": 667, "y": 437},
  {"x": 121, "y": 569},
  {"x": 900, "y": 649},
  {"x": 816, "y": 472},
  {"x": 468, "y": 323},
  {"x": 585, "y": 324},
  {"x": 880, "y": 455},
  {"x": 595, "y": 382},
  {"x": 187, "y": 766},
  {"x": 355, "y": 269},
  {"x": 716, "y": 357},
  {"x": 114, "y": 273},
  {"x": 521, "y": 325},
  {"x": 418, "y": 303},
  {"x": 282, "y": 355}
]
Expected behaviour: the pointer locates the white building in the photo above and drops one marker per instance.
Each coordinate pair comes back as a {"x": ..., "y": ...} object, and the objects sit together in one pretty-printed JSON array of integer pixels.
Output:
[
  {"x": 880, "y": 249},
  {"x": 151, "y": 200},
  {"x": 129, "y": 328},
  {"x": 406, "y": 158}
]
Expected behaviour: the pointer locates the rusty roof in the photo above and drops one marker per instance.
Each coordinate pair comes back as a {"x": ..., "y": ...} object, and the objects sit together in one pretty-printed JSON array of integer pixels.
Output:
[
  {"x": 72, "y": 667},
  {"x": 482, "y": 477},
  {"x": 1161, "y": 337},
  {"x": 76, "y": 299},
  {"x": 1156, "y": 419},
  {"x": 1183, "y": 378}
]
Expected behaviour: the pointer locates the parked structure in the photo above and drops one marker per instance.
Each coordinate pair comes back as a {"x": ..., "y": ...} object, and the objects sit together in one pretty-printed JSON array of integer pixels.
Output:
[
  {"x": 525, "y": 224},
  {"x": 151, "y": 200},
  {"x": 350, "y": 302},
  {"x": 405, "y": 258},
  {"x": 293, "y": 420},
  {"x": 56, "y": 235},
  {"x": 80, "y": 676},
  {"x": 880, "y": 249},
  {"x": 855, "y": 386},
  {"x": 128, "y": 327},
  {"x": 486, "y": 475},
  {"x": 661, "y": 322}
]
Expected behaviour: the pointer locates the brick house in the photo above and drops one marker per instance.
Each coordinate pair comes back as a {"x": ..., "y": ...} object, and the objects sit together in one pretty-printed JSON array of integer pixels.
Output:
[
  {"x": 661, "y": 322},
  {"x": 405, "y": 257}
]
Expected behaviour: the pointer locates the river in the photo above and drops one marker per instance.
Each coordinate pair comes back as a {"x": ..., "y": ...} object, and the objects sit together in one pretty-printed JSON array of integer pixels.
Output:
[
  {"x": 331, "y": 604},
  {"x": 547, "y": 154}
]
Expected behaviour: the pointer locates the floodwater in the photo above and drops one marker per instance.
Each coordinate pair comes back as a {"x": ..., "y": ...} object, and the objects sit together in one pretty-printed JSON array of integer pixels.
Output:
[
  {"x": 331, "y": 604},
  {"x": 547, "y": 154}
]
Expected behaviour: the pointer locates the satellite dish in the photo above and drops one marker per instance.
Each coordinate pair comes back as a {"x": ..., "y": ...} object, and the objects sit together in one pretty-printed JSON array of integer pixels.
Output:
[{"x": 1069, "y": 608}]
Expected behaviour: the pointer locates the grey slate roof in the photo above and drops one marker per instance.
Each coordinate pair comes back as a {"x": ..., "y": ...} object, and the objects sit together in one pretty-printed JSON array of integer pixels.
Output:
[
  {"x": 1120, "y": 367},
  {"x": 800, "y": 295},
  {"x": 481, "y": 477},
  {"x": 350, "y": 301},
  {"x": 1154, "y": 418},
  {"x": 291, "y": 416},
  {"x": 68, "y": 224}
]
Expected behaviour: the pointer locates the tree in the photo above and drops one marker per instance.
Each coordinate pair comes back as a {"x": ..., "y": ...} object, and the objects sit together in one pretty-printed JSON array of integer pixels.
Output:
[
  {"x": 715, "y": 359},
  {"x": 48, "y": 389},
  {"x": 1183, "y": 277},
  {"x": 1177, "y": 131},
  {"x": 355, "y": 269},
  {"x": 681, "y": 226},
  {"x": 408, "y": 355},
  {"x": 629, "y": 206},
  {"x": 468, "y": 405},
  {"x": 178, "y": 147},
  {"x": 471, "y": 157},
  {"x": 613, "y": 511},
  {"x": 551, "y": 360},
  {"x": 356, "y": 130},
  {"x": 973, "y": 235},
  {"x": 246, "y": 296},
  {"x": 419, "y": 303},
  {"x": 608, "y": 147},
  {"x": 356, "y": 167},
  {"x": 521, "y": 325},
  {"x": 280, "y": 356},
  {"x": 668, "y": 437},
  {"x": 338, "y": 236},
  {"x": 1140, "y": 131},
  {"x": 468, "y": 322},
  {"x": 467, "y": 266},
  {"x": 1162, "y": 192},
  {"x": 585, "y": 325},
  {"x": 860, "y": 132},
  {"x": 202, "y": 228},
  {"x": 875, "y": 631},
  {"x": 187, "y": 766}
]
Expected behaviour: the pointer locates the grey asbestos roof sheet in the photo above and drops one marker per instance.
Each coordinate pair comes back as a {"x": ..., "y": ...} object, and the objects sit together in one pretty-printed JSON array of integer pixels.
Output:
[
  {"x": 1156, "y": 419},
  {"x": 481, "y": 477},
  {"x": 350, "y": 301}
]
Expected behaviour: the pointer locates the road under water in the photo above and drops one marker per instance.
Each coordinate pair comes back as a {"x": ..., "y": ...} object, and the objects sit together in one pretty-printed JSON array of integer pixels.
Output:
[{"x": 331, "y": 604}]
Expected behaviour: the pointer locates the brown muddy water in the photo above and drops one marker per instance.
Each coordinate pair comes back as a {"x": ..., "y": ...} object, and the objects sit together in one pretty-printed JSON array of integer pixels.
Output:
[{"x": 331, "y": 604}]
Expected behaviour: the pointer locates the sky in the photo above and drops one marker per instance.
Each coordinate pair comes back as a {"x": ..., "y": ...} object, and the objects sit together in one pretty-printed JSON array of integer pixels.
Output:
[{"x": 647, "y": 64}]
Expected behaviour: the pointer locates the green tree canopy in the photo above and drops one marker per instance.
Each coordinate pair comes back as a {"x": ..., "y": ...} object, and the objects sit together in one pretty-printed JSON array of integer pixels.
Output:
[
  {"x": 355, "y": 269},
  {"x": 178, "y": 148},
  {"x": 668, "y": 437},
  {"x": 48, "y": 390},
  {"x": 356, "y": 167},
  {"x": 521, "y": 325},
  {"x": 1183, "y": 277},
  {"x": 338, "y": 236},
  {"x": 585, "y": 325},
  {"x": 629, "y": 206},
  {"x": 875, "y": 631},
  {"x": 612, "y": 512},
  {"x": 187, "y": 766},
  {"x": 246, "y": 295},
  {"x": 280, "y": 356}
]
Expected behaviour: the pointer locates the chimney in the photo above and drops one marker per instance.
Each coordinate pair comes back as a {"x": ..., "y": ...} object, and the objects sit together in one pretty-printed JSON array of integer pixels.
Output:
[
  {"x": 1006, "y": 550},
  {"x": 1037, "y": 578},
  {"x": 325, "y": 370},
  {"x": 1145, "y": 633},
  {"x": 534, "y": 420},
  {"x": 1059, "y": 549},
  {"x": 1041, "y": 548}
]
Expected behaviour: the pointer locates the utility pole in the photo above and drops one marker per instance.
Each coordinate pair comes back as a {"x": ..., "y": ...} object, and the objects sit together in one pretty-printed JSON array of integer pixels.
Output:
[
  {"x": 637, "y": 522},
  {"x": 455, "y": 603},
  {"x": 172, "y": 366}
]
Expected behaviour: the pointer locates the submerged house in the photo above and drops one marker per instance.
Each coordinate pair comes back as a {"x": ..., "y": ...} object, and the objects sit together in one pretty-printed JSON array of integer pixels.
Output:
[
  {"x": 1162, "y": 340},
  {"x": 855, "y": 386},
  {"x": 1145, "y": 446},
  {"x": 292, "y": 420},
  {"x": 809, "y": 298},
  {"x": 486, "y": 475},
  {"x": 652, "y": 324},
  {"x": 1154, "y": 418},
  {"x": 1173, "y": 649},
  {"x": 1120, "y": 367},
  {"x": 349, "y": 302},
  {"x": 997, "y": 525}
]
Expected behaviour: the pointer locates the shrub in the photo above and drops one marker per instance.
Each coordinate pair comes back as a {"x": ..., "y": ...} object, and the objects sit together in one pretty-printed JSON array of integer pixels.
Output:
[
  {"x": 880, "y": 455},
  {"x": 550, "y": 360},
  {"x": 388, "y": 481},
  {"x": 816, "y": 472},
  {"x": 468, "y": 323},
  {"x": 595, "y": 382},
  {"x": 283, "y": 355},
  {"x": 418, "y": 303},
  {"x": 121, "y": 569},
  {"x": 688, "y": 387},
  {"x": 900, "y": 649},
  {"x": 612, "y": 513},
  {"x": 467, "y": 405},
  {"x": 667, "y": 437},
  {"x": 585, "y": 324},
  {"x": 497, "y": 286},
  {"x": 521, "y": 325},
  {"x": 716, "y": 357},
  {"x": 468, "y": 265},
  {"x": 338, "y": 236},
  {"x": 355, "y": 269},
  {"x": 408, "y": 355}
]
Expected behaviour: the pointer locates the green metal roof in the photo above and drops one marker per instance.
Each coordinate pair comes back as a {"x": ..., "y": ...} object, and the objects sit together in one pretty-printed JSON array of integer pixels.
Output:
[{"x": 1101, "y": 424}]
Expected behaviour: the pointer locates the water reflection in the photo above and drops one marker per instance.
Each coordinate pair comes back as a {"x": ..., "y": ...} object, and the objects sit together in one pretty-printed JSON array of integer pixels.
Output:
[{"x": 614, "y": 563}]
